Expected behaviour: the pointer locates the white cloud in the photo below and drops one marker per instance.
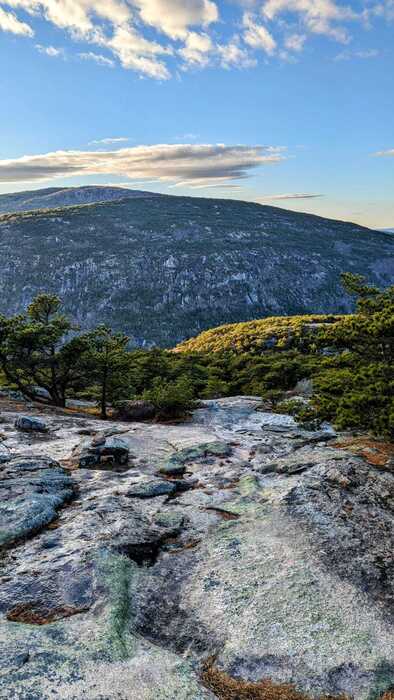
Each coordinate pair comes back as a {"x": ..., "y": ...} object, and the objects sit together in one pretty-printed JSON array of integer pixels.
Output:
[
  {"x": 197, "y": 49},
  {"x": 175, "y": 17},
  {"x": 191, "y": 136},
  {"x": 77, "y": 15},
  {"x": 117, "y": 26},
  {"x": 50, "y": 51},
  {"x": 389, "y": 152},
  {"x": 383, "y": 9},
  {"x": 257, "y": 36},
  {"x": 317, "y": 16},
  {"x": 295, "y": 42},
  {"x": 233, "y": 56},
  {"x": 137, "y": 53},
  {"x": 111, "y": 139},
  {"x": 10, "y": 23},
  {"x": 106, "y": 23},
  {"x": 153, "y": 37},
  {"x": 348, "y": 55},
  {"x": 97, "y": 58},
  {"x": 301, "y": 195},
  {"x": 187, "y": 163}
]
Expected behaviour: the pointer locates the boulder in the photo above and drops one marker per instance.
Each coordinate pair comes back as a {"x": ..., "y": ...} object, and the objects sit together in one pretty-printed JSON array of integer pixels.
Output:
[
  {"x": 32, "y": 490},
  {"x": 5, "y": 454},
  {"x": 135, "y": 410},
  {"x": 176, "y": 464},
  {"x": 29, "y": 424},
  {"x": 151, "y": 489},
  {"x": 104, "y": 451}
]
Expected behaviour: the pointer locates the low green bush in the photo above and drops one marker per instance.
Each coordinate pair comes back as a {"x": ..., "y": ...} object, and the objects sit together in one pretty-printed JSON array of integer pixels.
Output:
[{"x": 172, "y": 400}]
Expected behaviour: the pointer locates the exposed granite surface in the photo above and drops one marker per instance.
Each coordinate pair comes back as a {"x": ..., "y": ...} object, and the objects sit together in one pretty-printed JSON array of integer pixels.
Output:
[{"x": 270, "y": 550}]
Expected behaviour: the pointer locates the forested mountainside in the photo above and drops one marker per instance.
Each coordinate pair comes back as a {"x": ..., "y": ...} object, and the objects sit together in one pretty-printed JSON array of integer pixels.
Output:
[{"x": 164, "y": 268}]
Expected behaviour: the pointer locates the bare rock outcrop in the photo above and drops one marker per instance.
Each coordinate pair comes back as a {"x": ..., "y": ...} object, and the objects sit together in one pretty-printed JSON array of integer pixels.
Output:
[{"x": 270, "y": 551}]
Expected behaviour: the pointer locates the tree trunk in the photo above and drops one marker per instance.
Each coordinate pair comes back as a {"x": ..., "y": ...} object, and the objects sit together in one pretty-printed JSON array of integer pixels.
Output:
[{"x": 104, "y": 395}]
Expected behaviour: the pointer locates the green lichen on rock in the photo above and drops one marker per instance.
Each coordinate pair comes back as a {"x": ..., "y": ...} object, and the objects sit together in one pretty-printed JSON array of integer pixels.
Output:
[
  {"x": 177, "y": 463},
  {"x": 116, "y": 573}
]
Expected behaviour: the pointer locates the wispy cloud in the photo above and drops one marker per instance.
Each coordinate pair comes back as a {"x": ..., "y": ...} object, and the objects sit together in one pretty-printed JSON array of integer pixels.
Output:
[
  {"x": 298, "y": 195},
  {"x": 191, "y": 136},
  {"x": 388, "y": 152},
  {"x": 51, "y": 51},
  {"x": 232, "y": 55},
  {"x": 257, "y": 35},
  {"x": 110, "y": 140},
  {"x": 325, "y": 17},
  {"x": 295, "y": 42},
  {"x": 196, "y": 50},
  {"x": 384, "y": 8},
  {"x": 187, "y": 163},
  {"x": 363, "y": 54},
  {"x": 97, "y": 58}
]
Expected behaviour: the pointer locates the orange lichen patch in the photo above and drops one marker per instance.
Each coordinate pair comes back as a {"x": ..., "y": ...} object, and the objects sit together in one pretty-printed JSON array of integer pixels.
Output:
[
  {"x": 375, "y": 452},
  {"x": 231, "y": 485},
  {"x": 69, "y": 464},
  {"x": 34, "y": 613},
  {"x": 388, "y": 696},
  {"x": 224, "y": 514},
  {"x": 227, "y": 688},
  {"x": 188, "y": 545},
  {"x": 54, "y": 525}
]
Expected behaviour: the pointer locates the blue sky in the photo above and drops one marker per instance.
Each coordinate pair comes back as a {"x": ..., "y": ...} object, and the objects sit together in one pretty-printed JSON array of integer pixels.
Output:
[{"x": 286, "y": 102}]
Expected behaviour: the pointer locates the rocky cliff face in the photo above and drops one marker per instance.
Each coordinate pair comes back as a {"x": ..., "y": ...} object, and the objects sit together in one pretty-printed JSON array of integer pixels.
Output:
[
  {"x": 270, "y": 552},
  {"x": 164, "y": 268}
]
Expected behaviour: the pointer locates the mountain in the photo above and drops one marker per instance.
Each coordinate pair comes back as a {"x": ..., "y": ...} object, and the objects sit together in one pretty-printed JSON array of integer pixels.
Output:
[
  {"x": 65, "y": 196},
  {"x": 388, "y": 230},
  {"x": 164, "y": 268}
]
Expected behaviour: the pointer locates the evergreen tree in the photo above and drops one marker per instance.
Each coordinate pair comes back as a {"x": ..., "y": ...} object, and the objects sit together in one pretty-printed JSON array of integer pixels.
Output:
[
  {"x": 39, "y": 348},
  {"x": 108, "y": 364}
]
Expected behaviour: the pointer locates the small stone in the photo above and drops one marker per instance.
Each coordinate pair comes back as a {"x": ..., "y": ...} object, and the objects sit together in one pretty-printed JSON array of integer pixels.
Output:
[
  {"x": 98, "y": 440},
  {"x": 151, "y": 489},
  {"x": 337, "y": 477}
]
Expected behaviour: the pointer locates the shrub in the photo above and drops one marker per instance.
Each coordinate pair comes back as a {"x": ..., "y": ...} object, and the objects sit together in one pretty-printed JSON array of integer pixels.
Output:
[
  {"x": 172, "y": 400},
  {"x": 358, "y": 397},
  {"x": 305, "y": 414},
  {"x": 215, "y": 388}
]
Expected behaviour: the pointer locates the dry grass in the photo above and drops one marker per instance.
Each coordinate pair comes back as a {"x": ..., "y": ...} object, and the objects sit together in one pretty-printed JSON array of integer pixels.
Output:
[
  {"x": 375, "y": 452},
  {"x": 227, "y": 688},
  {"x": 222, "y": 513},
  {"x": 38, "y": 614},
  {"x": 188, "y": 545}
]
